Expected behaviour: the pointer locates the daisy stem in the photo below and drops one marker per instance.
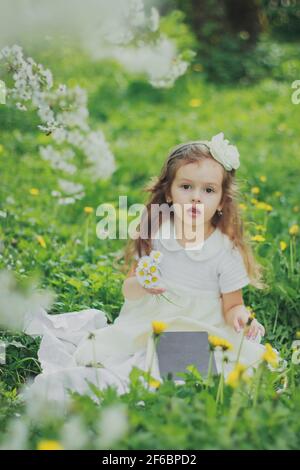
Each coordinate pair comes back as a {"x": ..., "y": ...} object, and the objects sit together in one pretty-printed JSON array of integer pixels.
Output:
[{"x": 169, "y": 300}]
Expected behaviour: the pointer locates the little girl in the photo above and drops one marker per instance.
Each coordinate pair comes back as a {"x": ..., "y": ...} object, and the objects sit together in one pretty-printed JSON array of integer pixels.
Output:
[{"x": 203, "y": 285}]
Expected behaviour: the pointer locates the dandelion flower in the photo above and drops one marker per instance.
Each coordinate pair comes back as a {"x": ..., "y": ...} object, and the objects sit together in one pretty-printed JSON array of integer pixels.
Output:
[
  {"x": 195, "y": 102},
  {"x": 283, "y": 245},
  {"x": 237, "y": 375},
  {"x": 41, "y": 241},
  {"x": 158, "y": 327},
  {"x": 294, "y": 230},
  {"x": 263, "y": 178},
  {"x": 216, "y": 341},
  {"x": 270, "y": 355},
  {"x": 264, "y": 206},
  {"x": 255, "y": 190},
  {"x": 88, "y": 210},
  {"x": 258, "y": 238},
  {"x": 262, "y": 228},
  {"x": 49, "y": 445},
  {"x": 34, "y": 191},
  {"x": 154, "y": 383}
]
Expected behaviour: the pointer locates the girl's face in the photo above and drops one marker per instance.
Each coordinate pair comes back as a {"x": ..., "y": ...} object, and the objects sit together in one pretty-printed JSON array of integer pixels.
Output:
[{"x": 198, "y": 183}]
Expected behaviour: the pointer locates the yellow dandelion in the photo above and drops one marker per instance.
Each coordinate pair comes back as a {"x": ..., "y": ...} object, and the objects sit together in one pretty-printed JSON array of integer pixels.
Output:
[
  {"x": 262, "y": 228},
  {"x": 263, "y": 178},
  {"x": 88, "y": 210},
  {"x": 243, "y": 206},
  {"x": 237, "y": 375},
  {"x": 283, "y": 245},
  {"x": 264, "y": 206},
  {"x": 270, "y": 355},
  {"x": 41, "y": 241},
  {"x": 294, "y": 230},
  {"x": 258, "y": 238},
  {"x": 254, "y": 201},
  {"x": 255, "y": 190},
  {"x": 195, "y": 102},
  {"x": 48, "y": 444},
  {"x": 158, "y": 327},
  {"x": 34, "y": 191},
  {"x": 216, "y": 342},
  {"x": 154, "y": 383}
]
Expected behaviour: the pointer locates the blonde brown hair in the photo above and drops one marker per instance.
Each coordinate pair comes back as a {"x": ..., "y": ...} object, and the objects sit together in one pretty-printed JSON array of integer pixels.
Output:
[{"x": 230, "y": 222}]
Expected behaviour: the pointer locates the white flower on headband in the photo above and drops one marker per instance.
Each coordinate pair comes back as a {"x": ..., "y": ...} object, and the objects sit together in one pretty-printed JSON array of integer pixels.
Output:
[{"x": 223, "y": 152}]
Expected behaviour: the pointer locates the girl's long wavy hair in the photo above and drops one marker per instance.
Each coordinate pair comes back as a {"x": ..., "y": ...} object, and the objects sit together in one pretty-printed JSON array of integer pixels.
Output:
[{"x": 230, "y": 222}]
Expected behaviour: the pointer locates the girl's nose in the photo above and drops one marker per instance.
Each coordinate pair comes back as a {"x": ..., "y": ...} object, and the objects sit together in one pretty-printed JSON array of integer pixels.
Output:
[{"x": 196, "y": 199}]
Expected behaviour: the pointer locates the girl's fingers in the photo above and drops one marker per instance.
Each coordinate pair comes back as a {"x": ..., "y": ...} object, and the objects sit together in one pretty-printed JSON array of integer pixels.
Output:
[
  {"x": 262, "y": 330},
  {"x": 157, "y": 291},
  {"x": 236, "y": 325},
  {"x": 254, "y": 332}
]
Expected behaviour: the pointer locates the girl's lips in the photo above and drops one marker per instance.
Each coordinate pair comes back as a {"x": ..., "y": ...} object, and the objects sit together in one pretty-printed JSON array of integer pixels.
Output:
[{"x": 194, "y": 211}]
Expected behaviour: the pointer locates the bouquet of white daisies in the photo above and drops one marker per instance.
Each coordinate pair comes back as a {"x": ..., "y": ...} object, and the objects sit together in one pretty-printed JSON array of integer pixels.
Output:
[{"x": 148, "y": 272}]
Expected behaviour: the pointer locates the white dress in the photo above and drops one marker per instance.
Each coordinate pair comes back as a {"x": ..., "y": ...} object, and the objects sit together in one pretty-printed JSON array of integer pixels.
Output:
[{"x": 80, "y": 347}]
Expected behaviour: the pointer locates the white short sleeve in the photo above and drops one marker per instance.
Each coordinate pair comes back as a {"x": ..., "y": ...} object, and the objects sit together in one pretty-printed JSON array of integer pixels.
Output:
[{"x": 232, "y": 272}]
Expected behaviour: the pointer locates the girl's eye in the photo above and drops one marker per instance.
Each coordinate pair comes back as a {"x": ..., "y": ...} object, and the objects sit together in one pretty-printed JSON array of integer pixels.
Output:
[{"x": 187, "y": 186}]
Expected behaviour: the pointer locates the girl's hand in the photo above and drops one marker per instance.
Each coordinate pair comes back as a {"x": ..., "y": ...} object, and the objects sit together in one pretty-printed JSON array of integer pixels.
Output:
[
  {"x": 155, "y": 291},
  {"x": 255, "y": 329},
  {"x": 238, "y": 316}
]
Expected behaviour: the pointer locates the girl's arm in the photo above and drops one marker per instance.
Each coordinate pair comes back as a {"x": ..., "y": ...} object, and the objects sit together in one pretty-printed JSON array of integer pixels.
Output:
[{"x": 236, "y": 314}]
